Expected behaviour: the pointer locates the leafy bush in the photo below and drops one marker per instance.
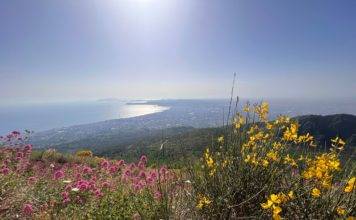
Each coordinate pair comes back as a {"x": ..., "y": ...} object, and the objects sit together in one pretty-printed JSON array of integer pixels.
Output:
[{"x": 260, "y": 169}]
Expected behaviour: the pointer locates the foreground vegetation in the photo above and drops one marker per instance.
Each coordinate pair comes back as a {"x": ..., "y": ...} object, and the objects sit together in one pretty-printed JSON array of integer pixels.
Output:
[{"x": 257, "y": 169}]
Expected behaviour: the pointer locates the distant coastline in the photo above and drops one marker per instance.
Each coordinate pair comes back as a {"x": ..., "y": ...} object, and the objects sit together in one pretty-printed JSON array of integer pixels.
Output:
[{"x": 43, "y": 117}]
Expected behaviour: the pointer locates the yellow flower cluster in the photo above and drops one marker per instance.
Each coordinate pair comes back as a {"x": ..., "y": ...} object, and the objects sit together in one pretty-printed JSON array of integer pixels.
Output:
[
  {"x": 338, "y": 143},
  {"x": 291, "y": 133},
  {"x": 239, "y": 120},
  {"x": 84, "y": 153},
  {"x": 305, "y": 139},
  {"x": 272, "y": 155},
  {"x": 262, "y": 111},
  {"x": 221, "y": 139},
  {"x": 252, "y": 159},
  {"x": 281, "y": 120},
  {"x": 350, "y": 185},
  {"x": 315, "y": 192},
  {"x": 322, "y": 168},
  {"x": 203, "y": 202},
  {"x": 247, "y": 108},
  {"x": 289, "y": 160},
  {"x": 274, "y": 201},
  {"x": 256, "y": 136},
  {"x": 340, "y": 211},
  {"x": 209, "y": 162}
]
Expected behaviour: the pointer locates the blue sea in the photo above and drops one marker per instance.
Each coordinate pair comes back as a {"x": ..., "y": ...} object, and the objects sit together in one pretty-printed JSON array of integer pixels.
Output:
[
  {"x": 40, "y": 117},
  {"x": 196, "y": 113}
]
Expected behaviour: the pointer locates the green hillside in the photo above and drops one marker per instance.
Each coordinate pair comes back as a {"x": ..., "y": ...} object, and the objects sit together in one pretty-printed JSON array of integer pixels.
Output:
[{"x": 181, "y": 143}]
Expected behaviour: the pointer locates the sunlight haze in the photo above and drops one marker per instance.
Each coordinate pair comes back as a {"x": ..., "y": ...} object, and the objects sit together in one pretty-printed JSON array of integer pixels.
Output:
[{"x": 151, "y": 49}]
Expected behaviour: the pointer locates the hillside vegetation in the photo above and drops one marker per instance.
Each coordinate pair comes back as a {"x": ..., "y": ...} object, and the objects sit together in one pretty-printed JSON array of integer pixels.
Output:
[
  {"x": 180, "y": 143},
  {"x": 254, "y": 168}
]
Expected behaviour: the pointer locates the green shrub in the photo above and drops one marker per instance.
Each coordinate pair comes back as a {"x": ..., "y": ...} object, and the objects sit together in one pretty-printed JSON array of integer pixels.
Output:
[{"x": 260, "y": 169}]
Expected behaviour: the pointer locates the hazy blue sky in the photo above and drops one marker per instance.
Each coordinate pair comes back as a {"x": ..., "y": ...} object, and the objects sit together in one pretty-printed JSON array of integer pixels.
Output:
[{"x": 85, "y": 49}]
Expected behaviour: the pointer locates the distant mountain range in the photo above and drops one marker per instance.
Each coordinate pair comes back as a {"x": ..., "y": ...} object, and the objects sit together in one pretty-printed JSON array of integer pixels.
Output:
[{"x": 326, "y": 127}]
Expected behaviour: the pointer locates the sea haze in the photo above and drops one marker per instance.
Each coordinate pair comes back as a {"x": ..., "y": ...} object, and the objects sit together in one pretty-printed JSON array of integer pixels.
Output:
[{"x": 40, "y": 117}]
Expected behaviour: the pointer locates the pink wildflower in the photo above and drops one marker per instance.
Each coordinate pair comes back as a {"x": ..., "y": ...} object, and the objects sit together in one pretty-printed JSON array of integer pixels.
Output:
[
  {"x": 142, "y": 174},
  {"x": 132, "y": 166},
  {"x": 113, "y": 169},
  {"x": 153, "y": 174},
  {"x": 141, "y": 165},
  {"x": 98, "y": 193},
  {"x": 157, "y": 195},
  {"x": 78, "y": 176},
  {"x": 127, "y": 173},
  {"x": 5, "y": 171},
  {"x": 87, "y": 170},
  {"x": 27, "y": 209},
  {"x": 65, "y": 196},
  {"x": 104, "y": 164},
  {"x": 137, "y": 187},
  {"x": 105, "y": 184},
  {"x": 28, "y": 147},
  {"x": 19, "y": 155},
  {"x": 59, "y": 174},
  {"x": 149, "y": 180},
  {"x": 83, "y": 185},
  {"x": 143, "y": 159},
  {"x": 120, "y": 163},
  {"x": 163, "y": 170}
]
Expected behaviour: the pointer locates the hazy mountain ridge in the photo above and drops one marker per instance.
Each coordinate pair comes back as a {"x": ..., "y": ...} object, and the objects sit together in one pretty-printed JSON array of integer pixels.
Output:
[{"x": 329, "y": 126}]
